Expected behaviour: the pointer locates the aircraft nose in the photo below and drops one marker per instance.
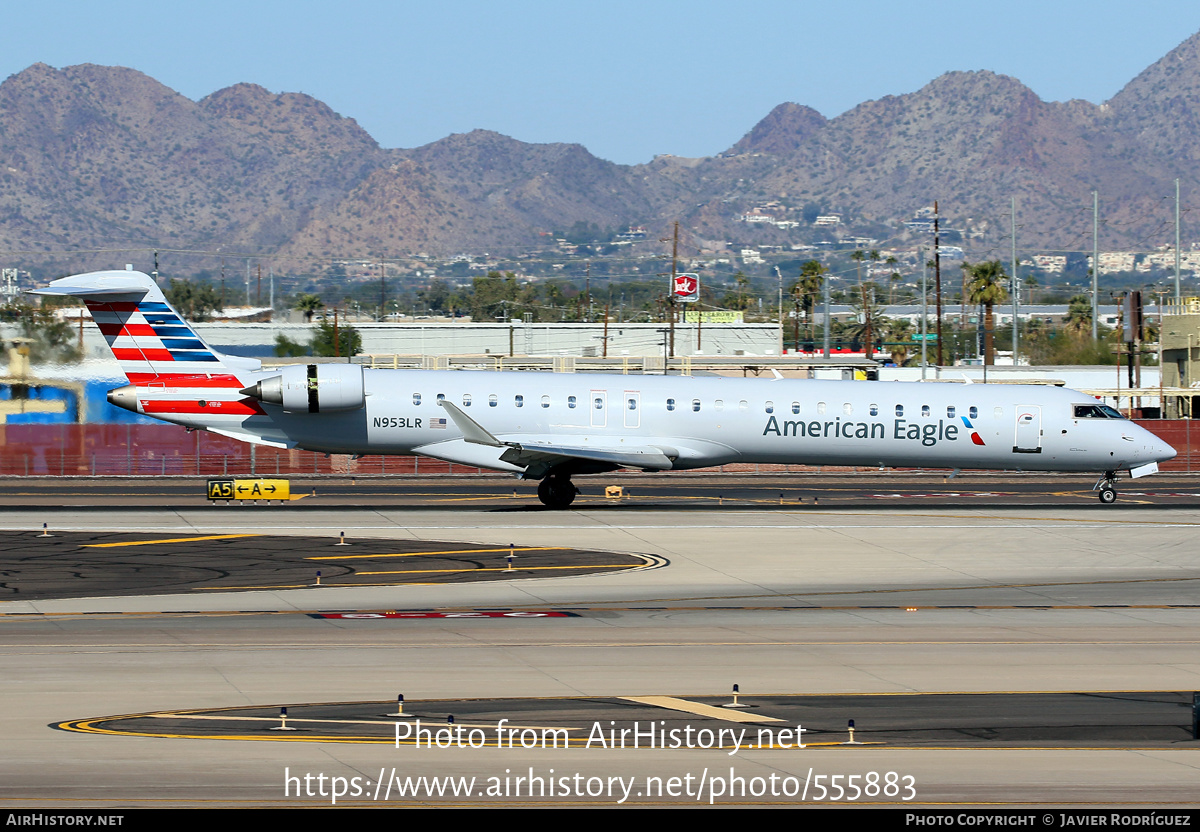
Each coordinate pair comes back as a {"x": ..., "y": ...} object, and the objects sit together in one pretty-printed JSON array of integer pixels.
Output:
[
  {"x": 1155, "y": 448},
  {"x": 1161, "y": 451}
]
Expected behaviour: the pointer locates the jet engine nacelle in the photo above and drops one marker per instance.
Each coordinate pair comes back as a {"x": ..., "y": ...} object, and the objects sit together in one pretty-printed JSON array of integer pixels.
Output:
[{"x": 313, "y": 388}]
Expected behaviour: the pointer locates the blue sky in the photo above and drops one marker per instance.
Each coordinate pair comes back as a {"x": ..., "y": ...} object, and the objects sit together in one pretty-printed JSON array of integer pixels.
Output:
[{"x": 628, "y": 80}]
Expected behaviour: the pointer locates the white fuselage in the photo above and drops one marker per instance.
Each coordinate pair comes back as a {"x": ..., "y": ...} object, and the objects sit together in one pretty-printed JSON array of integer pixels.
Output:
[{"x": 701, "y": 422}]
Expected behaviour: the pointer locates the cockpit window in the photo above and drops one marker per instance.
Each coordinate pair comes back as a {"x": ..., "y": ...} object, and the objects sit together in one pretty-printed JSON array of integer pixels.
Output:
[
  {"x": 1096, "y": 411},
  {"x": 1111, "y": 412}
]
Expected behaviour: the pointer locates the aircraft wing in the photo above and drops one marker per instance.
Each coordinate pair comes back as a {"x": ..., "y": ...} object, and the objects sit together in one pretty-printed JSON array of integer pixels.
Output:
[
  {"x": 531, "y": 453},
  {"x": 536, "y": 456}
]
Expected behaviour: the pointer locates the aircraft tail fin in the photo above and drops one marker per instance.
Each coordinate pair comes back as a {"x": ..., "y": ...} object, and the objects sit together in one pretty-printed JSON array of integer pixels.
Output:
[{"x": 147, "y": 336}]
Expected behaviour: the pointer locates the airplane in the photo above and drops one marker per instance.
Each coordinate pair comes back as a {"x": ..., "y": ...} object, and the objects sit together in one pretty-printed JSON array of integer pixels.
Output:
[{"x": 552, "y": 427}]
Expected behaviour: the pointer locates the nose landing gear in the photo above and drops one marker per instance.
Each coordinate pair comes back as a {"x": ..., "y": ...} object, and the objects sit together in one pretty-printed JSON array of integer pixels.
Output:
[{"x": 1106, "y": 487}]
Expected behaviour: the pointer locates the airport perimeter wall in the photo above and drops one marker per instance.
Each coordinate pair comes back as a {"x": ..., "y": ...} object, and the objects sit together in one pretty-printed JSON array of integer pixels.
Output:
[{"x": 38, "y": 450}]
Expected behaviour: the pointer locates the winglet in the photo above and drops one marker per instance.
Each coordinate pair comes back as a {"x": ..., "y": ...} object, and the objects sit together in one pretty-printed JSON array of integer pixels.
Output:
[{"x": 472, "y": 431}]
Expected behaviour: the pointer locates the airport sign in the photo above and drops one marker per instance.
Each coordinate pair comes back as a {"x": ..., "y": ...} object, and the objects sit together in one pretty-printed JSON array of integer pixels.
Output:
[{"x": 256, "y": 489}]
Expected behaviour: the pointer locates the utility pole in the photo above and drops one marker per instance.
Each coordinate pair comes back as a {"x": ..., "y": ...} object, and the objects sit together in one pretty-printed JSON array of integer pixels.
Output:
[
  {"x": 867, "y": 321},
  {"x": 937, "y": 277},
  {"x": 258, "y": 294},
  {"x": 1096, "y": 266},
  {"x": 1178, "y": 299},
  {"x": 924, "y": 311},
  {"x": 780, "y": 275},
  {"x": 382, "y": 289},
  {"x": 671, "y": 291},
  {"x": 825, "y": 286},
  {"x": 1016, "y": 285},
  {"x": 605, "y": 339}
]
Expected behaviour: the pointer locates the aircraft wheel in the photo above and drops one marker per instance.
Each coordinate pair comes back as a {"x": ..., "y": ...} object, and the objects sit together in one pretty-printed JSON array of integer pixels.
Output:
[
  {"x": 556, "y": 492},
  {"x": 1108, "y": 494}
]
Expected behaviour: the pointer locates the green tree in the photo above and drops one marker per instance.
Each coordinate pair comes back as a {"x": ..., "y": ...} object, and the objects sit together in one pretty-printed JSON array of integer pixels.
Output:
[
  {"x": 899, "y": 333},
  {"x": 348, "y": 343},
  {"x": 285, "y": 347},
  {"x": 51, "y": 339},
  {"x": 807, "y": 289},
  {"x": 858, "y": 256},
  {"x": 195, "y": 301},
  {"x": 893, "y": 279},
  {"x": 743, "y": 284},
  {"x": 985, "y": 286},
  {"x": 309, "y": 304},
  {"x": 1079, "y": 316},
  {"x": 869, "y": 321}
]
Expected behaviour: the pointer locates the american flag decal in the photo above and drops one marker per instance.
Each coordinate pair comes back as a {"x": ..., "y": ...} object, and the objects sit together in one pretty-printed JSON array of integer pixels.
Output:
[{"x": 437, "y": 424}]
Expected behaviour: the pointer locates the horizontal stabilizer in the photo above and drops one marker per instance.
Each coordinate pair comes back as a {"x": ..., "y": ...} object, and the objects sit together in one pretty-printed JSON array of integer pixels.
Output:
[{"x": 252, "y": 438}]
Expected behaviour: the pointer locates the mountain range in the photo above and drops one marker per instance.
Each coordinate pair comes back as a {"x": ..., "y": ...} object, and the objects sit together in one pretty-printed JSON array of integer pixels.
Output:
[{"x": 107, "y": 157}]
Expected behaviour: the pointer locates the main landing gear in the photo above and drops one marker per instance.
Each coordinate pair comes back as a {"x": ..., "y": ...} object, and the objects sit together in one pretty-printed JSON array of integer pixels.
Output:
[
  {"x": 556, "y": 491},
  {"x": 1107, "y": 487}
]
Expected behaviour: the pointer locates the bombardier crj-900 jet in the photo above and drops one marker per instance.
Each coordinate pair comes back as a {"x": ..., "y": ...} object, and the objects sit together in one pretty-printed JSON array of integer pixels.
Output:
[{"x": 551, "y": 427}]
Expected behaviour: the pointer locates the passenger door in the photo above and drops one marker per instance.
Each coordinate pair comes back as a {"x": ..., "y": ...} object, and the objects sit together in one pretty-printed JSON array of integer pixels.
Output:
[{"x": 1028, "y": 436}]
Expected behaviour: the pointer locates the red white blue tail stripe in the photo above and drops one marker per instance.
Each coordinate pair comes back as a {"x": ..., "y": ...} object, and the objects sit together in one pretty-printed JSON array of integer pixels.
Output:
[{"x": 149, "y": 339}]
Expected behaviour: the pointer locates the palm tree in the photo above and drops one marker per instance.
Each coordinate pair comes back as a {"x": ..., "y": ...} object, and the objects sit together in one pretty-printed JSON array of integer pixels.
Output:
[
  {"x": 868, "y": 320},
  {"x": 900, "y": 332},
  {"x": 858, "y": 256},
  {"x": 893, "y": 279},
  {"x": 1079, "y": 316},
  {"x": 309, "y": 304},
  {"x": 985, "y": 286},
  {"x": 808, "y": 288}
]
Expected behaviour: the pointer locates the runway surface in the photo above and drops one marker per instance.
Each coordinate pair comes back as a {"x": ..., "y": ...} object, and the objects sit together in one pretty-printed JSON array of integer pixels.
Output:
[
  {"x": 786, "y": 602},
  {"x": 676, "y": 492}
]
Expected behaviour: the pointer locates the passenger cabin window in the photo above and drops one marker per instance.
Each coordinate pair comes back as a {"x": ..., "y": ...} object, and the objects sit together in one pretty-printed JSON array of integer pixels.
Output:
[
  {"x": 924, "y": 410},
  {"x": 519, "y": 400},
  {"x": 598, "y": 403},
  {"x": 718, "y": 405},
  {"x": 848, "y": 409},
  {"x": 899, "y": 410},
  {"x": 466, "y": 399},
  {"x": 820, "y": 408},
  {"x": 492, "y": 400},
  {"x": 743, "y": 405},
  {"x": 695, "y": 405},
  {"x": 571, "y": 401},
  {"x": 998, "y": 412},
  {"x": 670, "y": 404},
  {"x": 631, "y": 403},
  {"x": 796, "y": 407},
  {"x": 949, "y": 411},
  {"x": 441, "y": 397},
  {"x": 973, "y": 412},
  {"x": 545, "y": 401},
  {"x": 417, "y": 399},
  {"x": 769, "y": 407},
  {"x": 874, "y": 410}
]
